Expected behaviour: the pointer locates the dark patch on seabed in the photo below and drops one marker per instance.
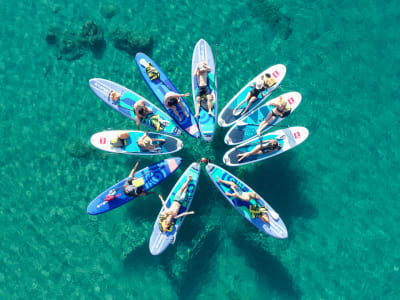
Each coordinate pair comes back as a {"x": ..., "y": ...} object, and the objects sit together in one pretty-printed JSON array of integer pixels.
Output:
[
  {"x": 269, "y": 12},
  {"x": 270, "y": 270}
]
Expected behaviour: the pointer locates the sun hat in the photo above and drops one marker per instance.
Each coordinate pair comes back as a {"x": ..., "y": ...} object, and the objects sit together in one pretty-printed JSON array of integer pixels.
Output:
[{"x": 259, "y": 84}]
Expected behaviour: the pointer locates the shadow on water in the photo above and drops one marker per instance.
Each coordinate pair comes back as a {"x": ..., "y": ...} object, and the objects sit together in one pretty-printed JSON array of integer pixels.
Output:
[
  {"x": 270, "y": 270},
  {"x": 277, "y": 181}
]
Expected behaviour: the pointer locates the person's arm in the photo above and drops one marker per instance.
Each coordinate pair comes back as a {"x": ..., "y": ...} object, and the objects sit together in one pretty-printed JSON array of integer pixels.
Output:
[
  {"x": 163, "y": 202},
  {"x": 134, "y": 169},
  {"x": 138, "y": 120},
  {"x": 184, "y": 214},
  {"x": 146, "y": 193}
]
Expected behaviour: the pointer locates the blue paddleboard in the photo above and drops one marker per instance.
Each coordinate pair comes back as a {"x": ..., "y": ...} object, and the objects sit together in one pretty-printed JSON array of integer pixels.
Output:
[
  {"x": 102, "y": 88},
  {"x": 226, "y": 118},
  {"x": 160, "y": 87},
  {"x": 159, "y": 241},
  {"x": 102, "y": 140},
  {"x": 151, "y": 175},
  {"x": 202, "y": 53},
  {"x": 288, "y": 138},
  {"x": 246, "y": 128},
  {"x": 275, "y": 227}
]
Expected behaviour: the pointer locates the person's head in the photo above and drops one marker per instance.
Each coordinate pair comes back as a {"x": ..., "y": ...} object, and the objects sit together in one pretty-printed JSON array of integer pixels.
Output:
[
  {"x": 264, "y": 217},
  {"x": 173, "y": 101},
  {"x": 114, "y": 95},
  {"x": 141, "y": 110},
  {"x": 165, "y": 223},
  {"x": 259, "y": 84}
]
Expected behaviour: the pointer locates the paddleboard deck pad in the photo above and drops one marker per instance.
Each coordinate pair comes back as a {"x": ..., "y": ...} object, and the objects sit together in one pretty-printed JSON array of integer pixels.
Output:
[
  {"x": 159, "y": 241},
  {"x": 158, "y": 121},
  {"x": 151, "y": 176},
  {"x": 202, "y": 53},
  {"x": 288, "y": 138},
  {"x": 162, "y": 85},
  {"x": 246, "y": 128},
  {"x": 275, "y": 227},
  {"x": 103, "y": 141},
  {"x": 227, "y": 117}
]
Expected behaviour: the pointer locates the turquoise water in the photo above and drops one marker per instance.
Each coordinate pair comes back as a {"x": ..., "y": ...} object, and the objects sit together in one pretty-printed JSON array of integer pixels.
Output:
[{"x": 337, "y": 192}]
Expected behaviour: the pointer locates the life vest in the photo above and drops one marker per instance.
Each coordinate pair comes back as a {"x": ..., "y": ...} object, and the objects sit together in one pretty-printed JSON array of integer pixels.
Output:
[
  {"x": 119, "y": 143},
  {"x": 269, "y": 82},
  {"x": 161, "y": 224},
  {"x": 256, "y": 211},
  {"x": 152, "y": 72},
  {"x": 155, "y": 121}
]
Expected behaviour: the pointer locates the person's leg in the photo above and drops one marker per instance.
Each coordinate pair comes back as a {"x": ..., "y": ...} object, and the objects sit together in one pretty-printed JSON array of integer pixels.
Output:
[
  {"x": 184, "y": 187},
  {"x": 183, "y": 109},
  {"x": 176, "y": 113},
  {"x": 245, "y": 100},
  {"x": 209, "y": 104},
  {"x": 252, "y": 99},
  {"x": 198, "y": 98},
  {"x": 225, "y": 182},
  {"x": 242, "y": 156}
]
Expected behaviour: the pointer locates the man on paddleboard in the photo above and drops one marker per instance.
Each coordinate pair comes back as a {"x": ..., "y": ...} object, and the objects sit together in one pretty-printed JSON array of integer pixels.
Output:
[
  {"x": 203, "y": 90},
  {"x": 171, "y": 100}
]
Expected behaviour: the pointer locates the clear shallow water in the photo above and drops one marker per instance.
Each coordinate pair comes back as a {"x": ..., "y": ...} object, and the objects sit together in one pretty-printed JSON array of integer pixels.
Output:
[{"x": 337, "y": 193}]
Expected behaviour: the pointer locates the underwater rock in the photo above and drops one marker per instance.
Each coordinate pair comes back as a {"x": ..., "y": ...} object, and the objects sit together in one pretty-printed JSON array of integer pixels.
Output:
[
  {"x": 109, "y": 10},
  {"x": 51, "y": 36},
  {"x": 92, "y": 36},
  {"x": 70, "y": 47},
  {"x": 132, "y": 41}
]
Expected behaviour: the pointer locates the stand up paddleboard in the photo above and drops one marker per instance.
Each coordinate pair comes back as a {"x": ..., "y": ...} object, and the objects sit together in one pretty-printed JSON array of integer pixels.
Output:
[
  {"x": 159, "y": 241},
  {"x": 246, "y": 128},
  {"x": 103, "y": 88},
  {"x": 202, "y": 53},
  {"x": 227, "y": 117},
  {"x": 149, "y": 177},
  {"x": 103, "y": 141},
  {"x": 275, "y": 227},
  {"x": 160, "y": 86},
  {"x": 288, "y": 138}
]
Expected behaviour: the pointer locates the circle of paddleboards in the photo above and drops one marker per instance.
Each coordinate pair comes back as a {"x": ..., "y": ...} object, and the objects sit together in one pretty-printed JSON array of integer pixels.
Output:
[
  {"x": 202, "y": 53},
  {"x": 227, "y": 116},
  {"x": 275, "y": 227},
  {"x": 148, "y": 177},
  {"x": 159, "y": 84},
  {"x": 288, "y": 138},
  {"x": 246, "y": 128},
  {"x": 158, "y": 120},
  {"x": 159, "y": 241},
  {"x": 109, "y": 141}
]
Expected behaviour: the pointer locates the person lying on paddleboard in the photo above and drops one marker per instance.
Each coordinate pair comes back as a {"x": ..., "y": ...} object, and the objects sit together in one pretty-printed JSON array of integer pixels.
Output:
[
  {"x": 203, "y": 90},
  {"x": 145, "y": 142},
  {"x": 265, "y": 147},
  {"x": 171, "y": 100},
  {"x": 255, "y": 210},
  {"x": 259, "y": 87},
  {"x": 166, "y": 220},
  {"x": 141, "y": 111},
  {"x": 281, "y": 109},
  {"x": 134, "y": 187}
]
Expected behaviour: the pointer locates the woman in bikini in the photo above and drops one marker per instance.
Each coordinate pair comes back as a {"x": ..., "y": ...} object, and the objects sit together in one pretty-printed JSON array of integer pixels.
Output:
[
  {"x": 265, "y": 147},
  {"x": 247, "y": 197},
  {"x": 281, "y": 109},
  {"x": 170, "y": 214}
]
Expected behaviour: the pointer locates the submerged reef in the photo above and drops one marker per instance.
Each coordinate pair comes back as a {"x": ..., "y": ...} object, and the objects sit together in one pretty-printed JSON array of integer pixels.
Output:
[
  {"x": 72, "y": 45},
  {"x": 132, "y": 41}
]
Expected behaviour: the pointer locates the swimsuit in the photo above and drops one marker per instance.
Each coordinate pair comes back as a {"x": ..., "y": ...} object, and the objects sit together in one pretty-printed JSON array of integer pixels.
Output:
[
  {"x": 180, "y": 197},
  {"x": 203, "y": 90},
  {"x": 255, "y": 92}
]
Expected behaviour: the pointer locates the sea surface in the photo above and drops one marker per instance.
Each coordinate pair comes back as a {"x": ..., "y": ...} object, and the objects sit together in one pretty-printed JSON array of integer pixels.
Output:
[{"x": 338, "y": 192}]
